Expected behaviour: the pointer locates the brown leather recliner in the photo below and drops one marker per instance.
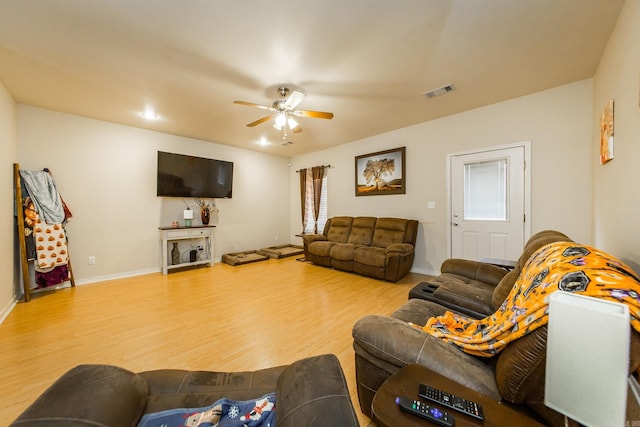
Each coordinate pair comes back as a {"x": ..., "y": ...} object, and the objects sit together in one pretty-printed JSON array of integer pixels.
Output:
[{"x": 476, "y": 288}]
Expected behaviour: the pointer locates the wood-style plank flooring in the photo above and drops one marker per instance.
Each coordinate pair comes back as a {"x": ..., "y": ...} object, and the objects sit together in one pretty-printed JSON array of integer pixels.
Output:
[{"x": 221, "y": 318}]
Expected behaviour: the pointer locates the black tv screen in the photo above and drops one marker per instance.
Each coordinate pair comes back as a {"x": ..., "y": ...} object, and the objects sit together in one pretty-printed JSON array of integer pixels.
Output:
[{"x": 188, "y": 176}]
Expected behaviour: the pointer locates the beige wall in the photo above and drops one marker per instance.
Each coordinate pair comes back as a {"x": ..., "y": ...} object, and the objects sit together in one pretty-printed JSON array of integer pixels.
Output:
[
  {"x": 616, "y": 196},
  {"x": 9, "y": 269},
  {"x": 556, "y": 121},
  {"x": 107, "y": 175}
]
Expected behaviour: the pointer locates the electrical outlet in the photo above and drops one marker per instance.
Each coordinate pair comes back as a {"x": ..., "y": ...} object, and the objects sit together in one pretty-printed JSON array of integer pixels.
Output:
[
  {"x": 92, "y": 260},
  {"x": 276, "y": 238},
  {"x": 199, "y": 247}
]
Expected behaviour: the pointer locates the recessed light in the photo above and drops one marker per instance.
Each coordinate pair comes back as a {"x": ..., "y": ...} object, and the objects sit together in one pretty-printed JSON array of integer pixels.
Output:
[
  {"x": 263, "y": 141},
  {"x": 149, "y": 115}
]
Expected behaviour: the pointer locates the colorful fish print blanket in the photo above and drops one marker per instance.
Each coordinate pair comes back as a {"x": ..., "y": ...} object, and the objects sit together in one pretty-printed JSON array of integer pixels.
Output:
[
  {"x": 223, "y": 413},
  {"x": 561, "y": 266}
]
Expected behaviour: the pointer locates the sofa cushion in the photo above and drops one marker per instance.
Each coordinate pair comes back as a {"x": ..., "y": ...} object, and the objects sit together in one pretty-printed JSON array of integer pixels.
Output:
[
  {"x": 321, "y": 247},
  {"x": 460, "y": 294},
  {"x": 339, "y": 229},
  {"x": 391, "y": 341},
  {"x": 176, "y": 388},
  {"x": 343, "y": 251},
  {"x": 389, "y": 231},
  {"x": 362, "y": 230},
  {"x": 369, "y": 255}
]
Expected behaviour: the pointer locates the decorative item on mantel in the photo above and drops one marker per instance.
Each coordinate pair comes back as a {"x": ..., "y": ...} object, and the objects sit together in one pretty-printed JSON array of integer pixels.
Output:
[
  {"x": 175, "y": 254},
  {"x": 206, "y": 209}
]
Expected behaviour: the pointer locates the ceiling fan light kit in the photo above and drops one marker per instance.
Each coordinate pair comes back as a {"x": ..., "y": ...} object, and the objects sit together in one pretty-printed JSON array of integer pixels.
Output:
[{"x": 283, "y": 111}]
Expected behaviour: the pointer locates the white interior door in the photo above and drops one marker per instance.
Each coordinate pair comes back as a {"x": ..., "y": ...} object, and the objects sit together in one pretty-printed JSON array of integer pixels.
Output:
[{"x": 488, "y": 202}]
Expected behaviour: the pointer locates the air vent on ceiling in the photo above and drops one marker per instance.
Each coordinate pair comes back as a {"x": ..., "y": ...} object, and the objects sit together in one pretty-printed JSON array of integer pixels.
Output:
[
  {"x": 286, "y": 143},
  {"x": 439, "y": 91}
]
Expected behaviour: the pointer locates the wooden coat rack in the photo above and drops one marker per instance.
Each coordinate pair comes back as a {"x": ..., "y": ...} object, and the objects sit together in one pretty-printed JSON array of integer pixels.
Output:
[{"x": 26, "y": 281}]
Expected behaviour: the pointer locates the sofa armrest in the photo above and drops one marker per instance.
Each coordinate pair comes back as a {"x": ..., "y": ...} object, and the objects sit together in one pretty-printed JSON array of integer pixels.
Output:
[
  {"x": 310, "y": 238},
  {"x": 89, "y": 395},
  {"x": 475, "y": 270},
  {"x": 313, "y": 392},
  {"x": 399, "y": 248},
  {"x": 384, "y": 340}
]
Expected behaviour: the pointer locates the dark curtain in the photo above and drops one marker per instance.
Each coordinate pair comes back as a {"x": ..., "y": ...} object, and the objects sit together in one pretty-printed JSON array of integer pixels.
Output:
[
  {"x": 318, "y": 174},
  {"x": 303, "y": 198}
]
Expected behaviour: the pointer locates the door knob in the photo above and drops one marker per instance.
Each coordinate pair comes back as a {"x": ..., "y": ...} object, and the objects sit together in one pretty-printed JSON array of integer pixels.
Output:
[{"x": 455, "y": 224}]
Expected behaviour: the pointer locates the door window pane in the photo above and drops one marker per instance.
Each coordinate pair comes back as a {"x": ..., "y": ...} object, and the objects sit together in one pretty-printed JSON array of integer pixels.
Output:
[{"x": 485, "y": 190}]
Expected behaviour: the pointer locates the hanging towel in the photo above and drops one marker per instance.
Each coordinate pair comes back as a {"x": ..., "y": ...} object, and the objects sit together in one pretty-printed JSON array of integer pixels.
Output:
[
  {"x": 44, "y": 194},
  {"x": 51, "y": 245},
  {"x": 561, "y": 266},
  {"x": 59, "y": 274}
]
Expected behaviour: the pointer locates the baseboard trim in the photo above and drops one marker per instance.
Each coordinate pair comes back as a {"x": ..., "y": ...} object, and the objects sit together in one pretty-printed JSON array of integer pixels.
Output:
[
  {"x": 424, "y": 271},
  {"x": 8, "y": 308},
  {"x": 96, "y": 279}
]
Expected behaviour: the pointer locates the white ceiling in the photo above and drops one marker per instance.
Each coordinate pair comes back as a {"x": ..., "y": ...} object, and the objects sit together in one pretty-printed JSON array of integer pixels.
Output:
[{"x": 367, "y": 61}]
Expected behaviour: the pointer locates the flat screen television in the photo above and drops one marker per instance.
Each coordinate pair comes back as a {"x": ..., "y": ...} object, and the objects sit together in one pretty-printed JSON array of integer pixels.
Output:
[{"x": 188, "y": 176}]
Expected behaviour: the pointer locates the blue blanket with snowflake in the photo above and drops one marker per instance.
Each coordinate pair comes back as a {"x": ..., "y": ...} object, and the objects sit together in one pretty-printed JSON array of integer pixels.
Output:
[{"x": 223, "y": 413}]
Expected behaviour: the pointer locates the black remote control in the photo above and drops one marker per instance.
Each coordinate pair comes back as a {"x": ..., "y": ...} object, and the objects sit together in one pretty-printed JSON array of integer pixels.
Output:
[
  {"x": 425, "y": 411},
  {"x": 468, "y": 407}
]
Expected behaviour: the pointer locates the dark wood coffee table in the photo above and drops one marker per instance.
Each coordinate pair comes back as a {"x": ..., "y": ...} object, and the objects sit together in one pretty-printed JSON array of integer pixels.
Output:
[{"x": 405, "y": 382}]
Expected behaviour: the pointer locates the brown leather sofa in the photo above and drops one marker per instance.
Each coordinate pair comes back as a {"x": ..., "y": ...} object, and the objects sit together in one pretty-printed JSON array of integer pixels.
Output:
[
  {"x": 382, "y": 248},
  {"x": 384, "y": 344},
  {"x": 476, "y": 288},
  {"x": 309, "y": 392}
]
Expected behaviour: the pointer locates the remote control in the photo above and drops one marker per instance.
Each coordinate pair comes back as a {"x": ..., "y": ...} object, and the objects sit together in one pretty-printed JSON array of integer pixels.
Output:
[
  {"x": 425, "y": 411},
  {"x": 468, "y": 407}
]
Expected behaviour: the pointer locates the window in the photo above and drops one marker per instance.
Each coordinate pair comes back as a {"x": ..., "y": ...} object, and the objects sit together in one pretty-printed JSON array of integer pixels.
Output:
[
  {"x": 485, "y": 190},
  {"x": 309, "y": 222}
]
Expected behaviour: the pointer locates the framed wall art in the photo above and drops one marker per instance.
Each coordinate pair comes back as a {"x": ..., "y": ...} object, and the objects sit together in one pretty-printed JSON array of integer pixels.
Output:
[
  {"x": 606, "y": 133},
  {"x": 381, "y": 173}
]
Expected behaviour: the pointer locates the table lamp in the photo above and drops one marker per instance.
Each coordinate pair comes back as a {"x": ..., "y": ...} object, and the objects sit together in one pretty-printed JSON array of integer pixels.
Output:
[{"x": 587, "y": 359}]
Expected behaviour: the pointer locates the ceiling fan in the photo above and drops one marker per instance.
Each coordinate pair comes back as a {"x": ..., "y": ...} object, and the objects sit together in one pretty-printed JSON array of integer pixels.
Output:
[{"x": 284, "y": 110}]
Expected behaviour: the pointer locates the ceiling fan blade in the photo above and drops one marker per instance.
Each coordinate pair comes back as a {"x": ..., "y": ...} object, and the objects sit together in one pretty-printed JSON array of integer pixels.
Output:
[
  {"x": 294, "y": 99},
  {"x": 259, "y": 121},
  {"x": 314, "y": 114},
  {"x": 251, "y": 104}
]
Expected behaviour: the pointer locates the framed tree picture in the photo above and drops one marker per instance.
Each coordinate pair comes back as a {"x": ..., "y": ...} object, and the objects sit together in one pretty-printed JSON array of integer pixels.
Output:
[{"x": 381, "y": 173}]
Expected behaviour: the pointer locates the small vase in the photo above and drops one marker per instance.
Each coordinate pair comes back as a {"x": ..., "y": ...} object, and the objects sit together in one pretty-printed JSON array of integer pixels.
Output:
[
  {"x": 175, "y": 254},
  {"x": 205, "y": 214}
]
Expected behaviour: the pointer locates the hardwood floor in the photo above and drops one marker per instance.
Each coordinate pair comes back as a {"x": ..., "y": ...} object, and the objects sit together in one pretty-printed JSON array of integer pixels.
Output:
[{"x": 221, "y": 318}]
